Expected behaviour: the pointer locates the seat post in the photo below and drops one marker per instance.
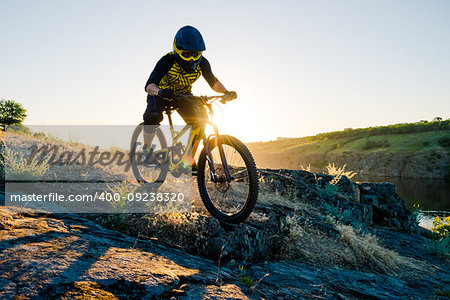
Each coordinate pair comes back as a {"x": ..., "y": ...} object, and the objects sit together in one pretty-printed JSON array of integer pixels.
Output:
[{"x": 169, "y": 115}]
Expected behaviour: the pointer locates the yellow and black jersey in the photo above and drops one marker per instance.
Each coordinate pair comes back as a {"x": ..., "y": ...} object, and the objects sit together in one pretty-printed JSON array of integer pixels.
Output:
[{"x": 168, "y": 74}]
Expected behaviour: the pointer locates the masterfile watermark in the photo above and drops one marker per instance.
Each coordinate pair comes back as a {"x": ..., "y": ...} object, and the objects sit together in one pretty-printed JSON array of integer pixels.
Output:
[
  {"x": 102, "y": 169},
  {"x": 54, "y": 155}
]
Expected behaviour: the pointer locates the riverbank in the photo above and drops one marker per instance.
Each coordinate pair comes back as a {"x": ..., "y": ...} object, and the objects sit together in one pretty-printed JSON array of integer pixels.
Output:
[{"x": 409, "y": 155}]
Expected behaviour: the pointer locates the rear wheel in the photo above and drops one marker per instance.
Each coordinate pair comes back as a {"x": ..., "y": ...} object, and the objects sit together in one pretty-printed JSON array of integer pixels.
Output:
[
  {"x": 148, "y": 162},
  {"x": 228, "y": 200}
]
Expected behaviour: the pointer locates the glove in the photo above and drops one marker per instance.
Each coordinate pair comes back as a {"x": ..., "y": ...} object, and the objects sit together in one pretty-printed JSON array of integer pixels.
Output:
[
  {"x": 166, "y": 94},
  {"x": 229, "y": 95}
]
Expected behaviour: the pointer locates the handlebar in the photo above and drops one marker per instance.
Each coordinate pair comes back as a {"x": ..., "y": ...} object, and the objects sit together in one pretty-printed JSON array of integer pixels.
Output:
[{"x": 202, "y": 100}]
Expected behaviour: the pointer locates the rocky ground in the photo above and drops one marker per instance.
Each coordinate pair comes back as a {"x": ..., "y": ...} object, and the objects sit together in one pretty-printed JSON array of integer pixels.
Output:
[
  {"x": 67, "y": 256},
  {"x": 285, "y": 250}
]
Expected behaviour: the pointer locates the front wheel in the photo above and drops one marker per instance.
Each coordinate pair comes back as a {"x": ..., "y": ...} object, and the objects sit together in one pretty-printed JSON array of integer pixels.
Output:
[{"x": 230, "y": 200}]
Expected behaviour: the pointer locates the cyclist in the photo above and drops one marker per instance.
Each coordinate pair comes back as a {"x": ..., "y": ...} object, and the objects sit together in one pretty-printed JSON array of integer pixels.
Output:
[{"x": 174, "y": 74}]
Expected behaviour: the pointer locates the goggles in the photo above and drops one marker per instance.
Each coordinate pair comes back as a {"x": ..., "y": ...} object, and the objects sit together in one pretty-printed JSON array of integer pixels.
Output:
[{"x": 188, "y": 55}]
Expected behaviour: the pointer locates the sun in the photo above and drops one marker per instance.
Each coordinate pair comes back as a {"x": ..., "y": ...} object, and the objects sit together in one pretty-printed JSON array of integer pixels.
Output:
[{"x": 236, "y": 118}]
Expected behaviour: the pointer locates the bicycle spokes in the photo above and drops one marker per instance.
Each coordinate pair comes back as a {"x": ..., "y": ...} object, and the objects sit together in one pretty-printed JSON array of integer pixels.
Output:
[
  {"x": 228, "y": 192},
  {"x": 149, "y": 154}
]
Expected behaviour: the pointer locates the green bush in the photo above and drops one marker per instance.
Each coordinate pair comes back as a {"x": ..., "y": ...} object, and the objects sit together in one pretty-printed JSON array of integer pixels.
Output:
[
  {"x": 11, "y": 113},
  {"x": 375, "y": 144},
  {"x": 248, "y": 281},
  {"x": 441, "y": 226},
  {"x": 404, "y": 128},
  {"x": 440, "y": 245}
]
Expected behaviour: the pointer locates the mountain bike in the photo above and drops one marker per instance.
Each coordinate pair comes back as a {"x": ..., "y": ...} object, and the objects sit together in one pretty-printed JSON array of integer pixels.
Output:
[{"x": 227, "y": 177}]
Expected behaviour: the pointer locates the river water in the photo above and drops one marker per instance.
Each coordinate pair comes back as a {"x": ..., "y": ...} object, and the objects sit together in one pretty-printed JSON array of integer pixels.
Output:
[{"x": 432, "y": 195}]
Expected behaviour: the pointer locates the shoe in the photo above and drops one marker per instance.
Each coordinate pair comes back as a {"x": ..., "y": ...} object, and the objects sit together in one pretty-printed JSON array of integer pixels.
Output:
[
  {"x": 147, "y": 158},
  {"x": 194, "y": 169}
]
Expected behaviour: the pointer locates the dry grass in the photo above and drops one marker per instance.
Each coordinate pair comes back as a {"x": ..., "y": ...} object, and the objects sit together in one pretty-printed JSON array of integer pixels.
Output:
[
  {"x": 339, "y": 171},
  {"x": 258, "y": 217},
  {"x": 17, "y": 167},
  {"x": 185, "y": 230},
  {"x": 274, "y": 197},
  {"x": 367, "y": 252},
  {"x": 350, "y": 250},
  {"x": 311, "y": 245},
  {"x": 20, "y": 144}
]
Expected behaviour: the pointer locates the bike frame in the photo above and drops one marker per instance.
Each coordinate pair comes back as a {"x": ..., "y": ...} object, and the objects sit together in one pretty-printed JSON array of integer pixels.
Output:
[
  {"x": 176, "y": 135},
  {"x": 197, "y": 133}
]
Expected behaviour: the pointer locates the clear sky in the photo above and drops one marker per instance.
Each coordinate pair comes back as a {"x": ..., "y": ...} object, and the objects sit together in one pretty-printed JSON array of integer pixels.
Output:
[{"x": 299, "y": 67}]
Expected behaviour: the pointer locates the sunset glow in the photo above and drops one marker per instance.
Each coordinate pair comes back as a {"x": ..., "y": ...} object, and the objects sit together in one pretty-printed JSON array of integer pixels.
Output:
[{"x": 300, "y": 68}]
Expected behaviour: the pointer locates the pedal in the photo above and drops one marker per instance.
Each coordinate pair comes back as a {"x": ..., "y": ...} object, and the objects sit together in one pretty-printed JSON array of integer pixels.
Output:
[{"x": 194, "y": 169}]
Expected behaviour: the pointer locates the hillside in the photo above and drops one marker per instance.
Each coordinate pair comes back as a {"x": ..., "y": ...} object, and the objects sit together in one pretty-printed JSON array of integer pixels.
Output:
[{"x": 416, "y": 153}]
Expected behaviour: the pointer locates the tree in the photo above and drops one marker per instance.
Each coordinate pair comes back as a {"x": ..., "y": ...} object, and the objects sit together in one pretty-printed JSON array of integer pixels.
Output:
[
  {"x": 11, "y": 113},
  {"x": 437, "y": 119}
]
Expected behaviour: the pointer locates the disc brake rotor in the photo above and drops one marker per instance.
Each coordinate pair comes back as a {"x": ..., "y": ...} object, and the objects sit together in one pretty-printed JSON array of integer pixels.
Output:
[{"x": 222, "y": 184}]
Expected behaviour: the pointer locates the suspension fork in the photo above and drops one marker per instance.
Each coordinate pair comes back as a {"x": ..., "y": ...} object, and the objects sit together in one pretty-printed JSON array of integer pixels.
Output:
[
  {"x": 212, "y": 169},
  {"x": 222, "y": 158}
]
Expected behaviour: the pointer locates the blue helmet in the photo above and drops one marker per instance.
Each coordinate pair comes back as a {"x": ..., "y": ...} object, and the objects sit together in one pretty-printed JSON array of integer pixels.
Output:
[{"x": 188, "y": 46}]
